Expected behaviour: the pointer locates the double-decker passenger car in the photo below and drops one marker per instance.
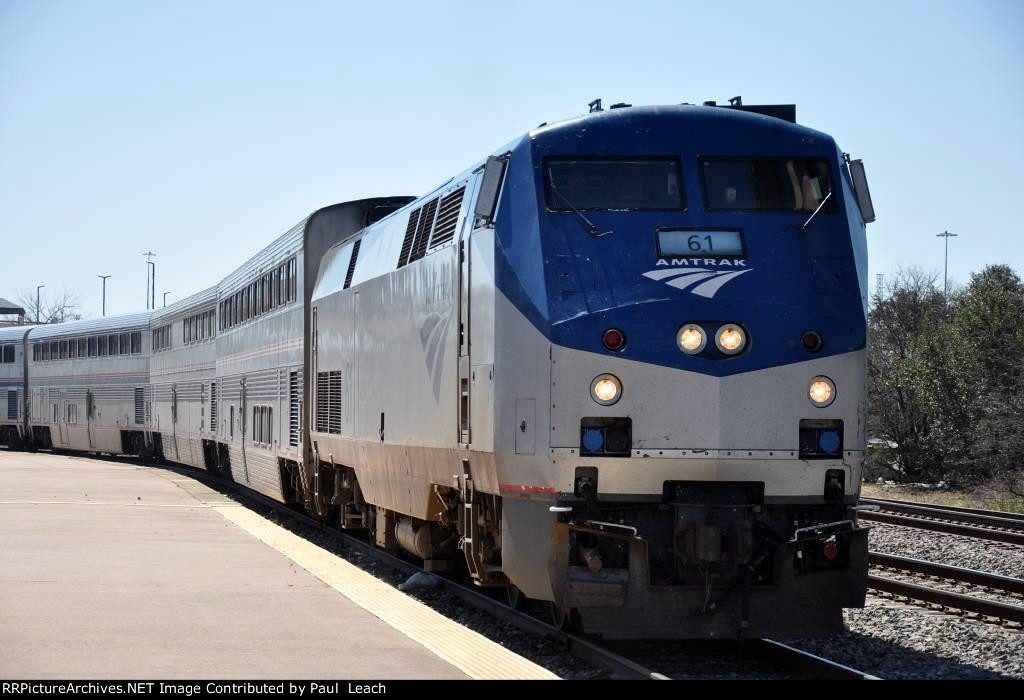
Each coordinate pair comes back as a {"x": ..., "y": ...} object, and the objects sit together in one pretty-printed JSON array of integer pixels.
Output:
[
  {"x": 13, "y": 384},
  {"x": 89, "y": 384},
  {"x": 182, "y": 371}
]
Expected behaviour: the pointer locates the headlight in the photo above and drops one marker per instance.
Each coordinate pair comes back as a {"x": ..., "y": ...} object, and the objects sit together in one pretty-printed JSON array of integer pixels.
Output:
[
  {"x": 822, "y": 391},
  {"x": 691, "y": 339},
  {"x": 606, "y": 389},
  {"x": 730, "y": 339}
]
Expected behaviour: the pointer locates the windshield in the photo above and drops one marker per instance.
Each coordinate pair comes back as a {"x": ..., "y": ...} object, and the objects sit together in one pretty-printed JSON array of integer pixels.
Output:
[
  {"x": 766, "y": 184},
  {"x": 621, "y": 183}
]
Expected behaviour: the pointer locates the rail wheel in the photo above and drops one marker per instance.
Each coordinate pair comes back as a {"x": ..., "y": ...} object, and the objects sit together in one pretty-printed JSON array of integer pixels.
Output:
[
  {"x": 516, "y": 599},
  {"x": 567, "y": 620}
]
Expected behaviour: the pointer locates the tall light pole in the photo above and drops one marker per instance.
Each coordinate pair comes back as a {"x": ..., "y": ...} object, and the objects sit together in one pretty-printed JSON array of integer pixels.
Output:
[
  {"x": 150, "y": 286},
  {"x": 37, "y": 301},
  {"x": 165, "y": 298},
  {"x": 104, "y": 278},
  {"x": 945, "y": 269}
]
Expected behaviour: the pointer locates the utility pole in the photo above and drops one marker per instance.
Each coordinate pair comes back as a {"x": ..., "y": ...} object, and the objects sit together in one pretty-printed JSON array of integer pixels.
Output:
[
  {"x": 150, "y": 280},
  {"x": 37, "y": 301},
  {"x": 165, "y": 298},
  {"x": 104, "y": 278},
  {"x": 945, "y": 270}
]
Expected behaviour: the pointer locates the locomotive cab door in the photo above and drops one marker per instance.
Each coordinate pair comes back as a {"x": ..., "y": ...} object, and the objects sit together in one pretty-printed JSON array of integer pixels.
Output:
[{"x": 463, "y": 288}]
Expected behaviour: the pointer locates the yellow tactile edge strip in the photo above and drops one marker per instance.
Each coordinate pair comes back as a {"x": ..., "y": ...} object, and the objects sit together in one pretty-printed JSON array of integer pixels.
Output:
[{"x": 465, "y": 649}]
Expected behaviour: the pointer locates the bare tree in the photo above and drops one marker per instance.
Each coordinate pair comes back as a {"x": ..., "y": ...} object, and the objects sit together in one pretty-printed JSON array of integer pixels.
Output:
[
  {"x": 58, "y": 309},
  {"x": 901, "y": 310}
]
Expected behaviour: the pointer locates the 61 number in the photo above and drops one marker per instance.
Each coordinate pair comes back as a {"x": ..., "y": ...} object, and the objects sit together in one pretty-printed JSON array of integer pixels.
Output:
[{"x": 693, "y": 242}]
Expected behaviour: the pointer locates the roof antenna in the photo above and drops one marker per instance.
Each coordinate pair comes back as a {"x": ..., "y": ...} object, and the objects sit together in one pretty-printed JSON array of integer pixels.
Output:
[
  {"x": 595, "y": 106},
  {"x": 736, "y": 101}
]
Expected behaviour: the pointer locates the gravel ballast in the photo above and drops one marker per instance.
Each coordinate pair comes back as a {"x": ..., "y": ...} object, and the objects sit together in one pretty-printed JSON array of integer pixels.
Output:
[
  {"x": 899, "y": 642},
  {"x": 954, "y": 550}
]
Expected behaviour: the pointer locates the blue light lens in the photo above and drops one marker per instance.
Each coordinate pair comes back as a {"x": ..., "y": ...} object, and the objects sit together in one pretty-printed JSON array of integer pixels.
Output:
[
  {"x": 828, "y": 441},
  {"x": 593, "y": 440}
]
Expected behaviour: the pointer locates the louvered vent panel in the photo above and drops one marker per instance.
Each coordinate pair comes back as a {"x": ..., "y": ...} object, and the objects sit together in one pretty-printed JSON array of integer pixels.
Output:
[
  {"x": 410, "y": 232},
  {"x": 140, "y": 405},
  {"x": 447, "y": 217},
  {"x": 352, "y": 264},
  {"x": 328, "y": 402},
  {"x": 12, "y": 404},
  {"x": 323, "y": 403},
  {"x": 294, "y": 407},
  {"x": 335, "y": 419},
  {"x": 423, "y": 230},
  {"x": 213, "y": 406}
]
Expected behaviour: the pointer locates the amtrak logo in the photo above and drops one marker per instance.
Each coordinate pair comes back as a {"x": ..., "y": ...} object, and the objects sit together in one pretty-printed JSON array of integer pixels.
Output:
[
  {"x": 433, "y": 334},
  {"x": 701, "y": 281}
]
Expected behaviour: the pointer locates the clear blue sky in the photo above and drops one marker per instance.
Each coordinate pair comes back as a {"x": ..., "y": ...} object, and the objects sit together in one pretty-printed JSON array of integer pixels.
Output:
[{"x": 202, "y": 130}]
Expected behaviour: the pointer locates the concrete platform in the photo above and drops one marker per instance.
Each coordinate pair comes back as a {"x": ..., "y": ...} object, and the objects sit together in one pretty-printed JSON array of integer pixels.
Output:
[{"x": 112, "y": 570}]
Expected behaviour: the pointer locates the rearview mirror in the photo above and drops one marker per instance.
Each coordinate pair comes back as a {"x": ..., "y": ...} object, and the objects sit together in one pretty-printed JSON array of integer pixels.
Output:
[
  {"x": 487, "y": 200},
  {"x": 860, "y": 188}
]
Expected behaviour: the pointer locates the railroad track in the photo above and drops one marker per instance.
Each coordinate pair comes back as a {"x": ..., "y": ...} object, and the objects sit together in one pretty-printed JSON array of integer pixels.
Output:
[
  {"x": 997, "y": 526},
  {"x": 1006, "y": 586},
  {"x": 794, "y": 661}
]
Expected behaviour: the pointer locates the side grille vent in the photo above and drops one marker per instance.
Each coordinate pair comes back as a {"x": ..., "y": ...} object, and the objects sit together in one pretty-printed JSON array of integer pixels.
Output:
[
  {"x": 426, "y": 224},
  {"x": 431, "y": 225},
  {"x": 410, "y": 232},
  {"x": 140, "y": 405},
  {"x": 328, "y": 402},
  {"x": 12, "y": 404},
  {"x": 447, "y": 217},
  {"x": 352, "y": 264},
  {"x": 294, "y": 405},
  {"x": 213, "y": 407}
]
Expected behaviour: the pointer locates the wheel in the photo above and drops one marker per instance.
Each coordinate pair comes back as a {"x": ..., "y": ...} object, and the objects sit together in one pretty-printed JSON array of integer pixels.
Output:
[
  {"x": 566, "y": 620},
  {"x": 515, "y": 598}
]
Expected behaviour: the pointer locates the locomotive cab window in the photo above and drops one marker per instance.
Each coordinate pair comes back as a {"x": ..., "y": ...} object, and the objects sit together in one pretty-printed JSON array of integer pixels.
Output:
[
  {"x": 613, "y": 184},
  {"x": 742, "y": 184}
]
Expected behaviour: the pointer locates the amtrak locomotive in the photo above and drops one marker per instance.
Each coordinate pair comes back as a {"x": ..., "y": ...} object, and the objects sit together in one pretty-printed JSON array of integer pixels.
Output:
[{"x": 617, "y": 366}]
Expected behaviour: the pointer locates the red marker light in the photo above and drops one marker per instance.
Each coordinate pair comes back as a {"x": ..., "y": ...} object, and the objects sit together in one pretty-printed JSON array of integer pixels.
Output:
[
  {"x": 614, "y": 339},
  {"x": 830, "y": 549},
  {"x": 811, "y": 341}
]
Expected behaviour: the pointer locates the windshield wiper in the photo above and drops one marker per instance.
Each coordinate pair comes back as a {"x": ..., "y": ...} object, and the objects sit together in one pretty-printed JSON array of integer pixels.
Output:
[
  {"x": 811, "y": 217},
  {"x": 591, "y": 229}
]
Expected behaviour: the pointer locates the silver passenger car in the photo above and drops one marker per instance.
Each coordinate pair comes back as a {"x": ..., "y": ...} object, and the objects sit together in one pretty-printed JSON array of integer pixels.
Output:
[{"x": 89, "y": 384}]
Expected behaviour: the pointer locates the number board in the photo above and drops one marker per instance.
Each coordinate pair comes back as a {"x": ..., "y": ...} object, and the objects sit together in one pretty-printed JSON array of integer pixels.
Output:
[{"x": 700, "y": 243}]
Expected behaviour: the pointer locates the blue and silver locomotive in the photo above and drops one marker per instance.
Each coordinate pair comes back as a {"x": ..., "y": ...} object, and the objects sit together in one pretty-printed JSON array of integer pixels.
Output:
[{"x": 641, "y": 347}]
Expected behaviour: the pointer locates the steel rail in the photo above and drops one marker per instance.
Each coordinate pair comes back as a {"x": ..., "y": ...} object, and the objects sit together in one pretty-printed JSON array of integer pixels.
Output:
[
  {"x": 946, "y": 526},
  {"x": 805, "y": 663},
  {"x": 990, "y": 608},
  {"x": 996, "y": 582},
  {"x": 991, "y": 519},
  {"x": 1004, "y": 514}
]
